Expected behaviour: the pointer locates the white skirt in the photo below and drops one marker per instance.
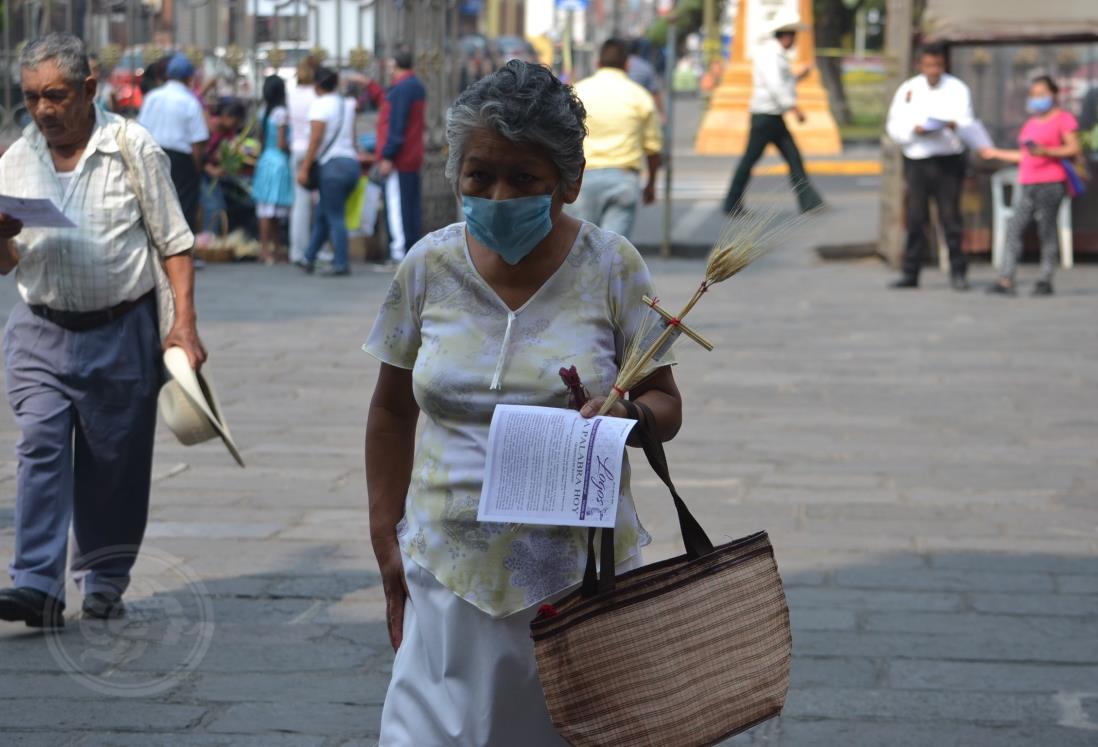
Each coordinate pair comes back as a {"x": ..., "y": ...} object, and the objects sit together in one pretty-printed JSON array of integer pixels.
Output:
[{"x": 462, "y": 677}]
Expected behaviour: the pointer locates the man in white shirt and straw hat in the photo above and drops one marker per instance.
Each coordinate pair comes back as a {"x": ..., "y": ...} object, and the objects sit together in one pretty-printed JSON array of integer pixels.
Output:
[
  {"x": 774, "y": 95},
  {"x": 83, "y": 347}
]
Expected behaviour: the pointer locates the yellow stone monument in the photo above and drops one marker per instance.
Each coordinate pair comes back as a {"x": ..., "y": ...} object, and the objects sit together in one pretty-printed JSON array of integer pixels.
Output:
[{"x": 727, "y": 122}]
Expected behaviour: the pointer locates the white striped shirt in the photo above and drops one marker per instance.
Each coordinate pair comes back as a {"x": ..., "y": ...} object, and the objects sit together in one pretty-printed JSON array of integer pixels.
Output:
[{"x": 104, "y": 261}]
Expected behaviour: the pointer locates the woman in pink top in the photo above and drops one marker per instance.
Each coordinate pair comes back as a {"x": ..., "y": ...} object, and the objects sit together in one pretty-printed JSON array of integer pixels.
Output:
[{"x": 1047, "y": 138}]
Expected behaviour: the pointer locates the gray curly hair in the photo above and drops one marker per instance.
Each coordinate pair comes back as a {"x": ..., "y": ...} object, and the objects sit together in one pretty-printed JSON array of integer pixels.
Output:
[
  {"x": 524, "y": 103},
  {"x": 66, "y": 50}
]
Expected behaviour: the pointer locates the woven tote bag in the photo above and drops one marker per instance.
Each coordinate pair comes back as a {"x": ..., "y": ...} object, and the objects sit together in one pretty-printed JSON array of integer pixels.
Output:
[{"x": 685, "y": 652}]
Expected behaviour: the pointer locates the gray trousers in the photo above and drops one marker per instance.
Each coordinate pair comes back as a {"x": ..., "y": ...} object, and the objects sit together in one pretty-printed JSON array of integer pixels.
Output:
[
  {"x": 85, "y": 403},
  {"x": 609, "y": 199},
  {"x": 301, "y": 214},
  {"x": 1040, "y": 203}
]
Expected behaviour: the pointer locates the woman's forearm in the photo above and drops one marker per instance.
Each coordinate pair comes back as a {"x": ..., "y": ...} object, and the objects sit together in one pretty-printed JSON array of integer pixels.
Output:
[
  {"x": 661, "y": 395},
  {"x": 1061, "y": 151},
  {"x": 390, "y": 447},
  {"x": 667, "y": 410}
]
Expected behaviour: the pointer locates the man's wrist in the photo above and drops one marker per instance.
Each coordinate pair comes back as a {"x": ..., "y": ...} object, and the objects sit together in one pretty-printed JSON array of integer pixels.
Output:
[{"x": 185, "y": 316}]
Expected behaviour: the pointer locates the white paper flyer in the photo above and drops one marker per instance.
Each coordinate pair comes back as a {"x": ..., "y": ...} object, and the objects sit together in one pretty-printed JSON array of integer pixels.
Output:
[
  {"x": 552, "y": 466},
  {"x": 35, "y": 212}
]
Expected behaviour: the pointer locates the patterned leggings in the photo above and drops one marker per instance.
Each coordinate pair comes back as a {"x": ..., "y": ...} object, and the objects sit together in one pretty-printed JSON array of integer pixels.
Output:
[{"x": 1039, "y": 202}]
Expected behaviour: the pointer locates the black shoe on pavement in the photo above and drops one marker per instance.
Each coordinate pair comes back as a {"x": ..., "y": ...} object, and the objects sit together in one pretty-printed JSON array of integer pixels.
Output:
[
  {"x": 306, "y": 267},
  {"x": 103, "y": 605},
  {"x": 1042, "y": 288},
  {"x": 906, "y": 281},
  {"x": 998, "y": 289},
  {"x": 958, "y": 282},
  {"x": 35, "y": 608},
  {"x": 332, "y": 272}
]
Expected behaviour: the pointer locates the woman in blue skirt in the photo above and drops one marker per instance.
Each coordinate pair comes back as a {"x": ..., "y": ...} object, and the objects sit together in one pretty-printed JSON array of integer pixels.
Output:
[{"x": 272, "y": 187}]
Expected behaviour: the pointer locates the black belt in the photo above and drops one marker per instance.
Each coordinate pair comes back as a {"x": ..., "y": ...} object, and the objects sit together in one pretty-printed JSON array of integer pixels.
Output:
[{"x": 81, "y": 321}]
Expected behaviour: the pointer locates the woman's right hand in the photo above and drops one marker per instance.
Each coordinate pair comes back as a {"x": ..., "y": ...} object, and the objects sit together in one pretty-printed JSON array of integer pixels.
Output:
[{"x": 391, "y": 568}]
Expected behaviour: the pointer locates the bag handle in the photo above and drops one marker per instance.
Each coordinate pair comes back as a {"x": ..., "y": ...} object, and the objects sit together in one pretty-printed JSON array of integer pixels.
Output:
[
  {"x": 339, "y": 129},
  {"x": 694, "y": 539}
]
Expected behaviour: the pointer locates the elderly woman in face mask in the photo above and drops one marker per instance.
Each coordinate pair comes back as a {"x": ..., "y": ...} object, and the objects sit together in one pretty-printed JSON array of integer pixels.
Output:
[{"x": 482, "y": 313}]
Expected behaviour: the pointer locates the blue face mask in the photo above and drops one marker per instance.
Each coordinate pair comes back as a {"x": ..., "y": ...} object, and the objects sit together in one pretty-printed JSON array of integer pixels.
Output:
[
  {"x": 1038, "y": 104},
  {"x": 510, "y": 228}
]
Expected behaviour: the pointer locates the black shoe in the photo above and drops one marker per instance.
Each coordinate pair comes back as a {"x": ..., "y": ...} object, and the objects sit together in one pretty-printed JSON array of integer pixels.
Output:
[
  {"x": 306, "y": 267},
  {"x": 958, "y": 282},
  {"x": 1042, "y": 288},
  {"x": 35, "y": 608},
  {"x": 998, "y": 289},
  {"x": 332, "y": 272},
  {"x": 103, "y": 605},
  {"x": 906, "y": 281}
]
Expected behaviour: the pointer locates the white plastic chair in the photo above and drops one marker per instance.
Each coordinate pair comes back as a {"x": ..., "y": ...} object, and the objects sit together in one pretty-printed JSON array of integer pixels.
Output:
[{"x": 1002, "y": 211}]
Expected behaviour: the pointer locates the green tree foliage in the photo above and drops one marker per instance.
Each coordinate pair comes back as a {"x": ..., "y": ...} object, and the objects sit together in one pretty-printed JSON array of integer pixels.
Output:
[
  {"x": 689, "y": 15},
  {"x": 834, "y": 25}
]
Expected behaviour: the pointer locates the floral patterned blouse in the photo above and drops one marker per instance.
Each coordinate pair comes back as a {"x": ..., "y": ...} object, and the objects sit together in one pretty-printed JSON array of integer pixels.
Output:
[{"x": 468, "y": 352}]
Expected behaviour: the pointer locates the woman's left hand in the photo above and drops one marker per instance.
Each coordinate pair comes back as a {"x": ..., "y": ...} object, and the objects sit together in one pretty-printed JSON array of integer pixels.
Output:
[
  {"x": 591, "y": 409},
  {"x": 303, "y": 176}
]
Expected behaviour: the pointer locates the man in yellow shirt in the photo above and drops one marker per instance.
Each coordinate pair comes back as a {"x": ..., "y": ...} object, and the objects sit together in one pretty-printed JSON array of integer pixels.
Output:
[{"x": 624, "y": 137}]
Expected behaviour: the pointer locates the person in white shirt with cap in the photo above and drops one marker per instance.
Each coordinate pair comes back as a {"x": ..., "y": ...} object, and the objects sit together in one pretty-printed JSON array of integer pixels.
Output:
[
  {"x": 775, "y": 93},
  {"x": 926, "y": 115}
]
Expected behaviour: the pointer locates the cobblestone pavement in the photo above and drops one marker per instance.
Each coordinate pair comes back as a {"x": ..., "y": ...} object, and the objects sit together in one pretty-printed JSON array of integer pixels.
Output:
[{"x": 925, "y": 462}]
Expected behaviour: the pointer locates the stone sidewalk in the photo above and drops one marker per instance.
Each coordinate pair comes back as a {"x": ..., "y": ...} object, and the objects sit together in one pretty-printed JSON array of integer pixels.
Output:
[{"x": 925, "y": 462}]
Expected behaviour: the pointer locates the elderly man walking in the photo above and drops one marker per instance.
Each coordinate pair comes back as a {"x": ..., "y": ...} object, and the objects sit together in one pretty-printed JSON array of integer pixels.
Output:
[
  {"x": 82, "y": 350},
  {"x": 173, "y": 116},
  {"x": 624, "y": 137}
]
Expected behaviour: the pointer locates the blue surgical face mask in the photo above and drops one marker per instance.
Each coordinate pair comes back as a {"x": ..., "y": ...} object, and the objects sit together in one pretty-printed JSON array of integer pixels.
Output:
[
  {"x": 1038, "y": 104},
  {"x": 510, "y": 228}
]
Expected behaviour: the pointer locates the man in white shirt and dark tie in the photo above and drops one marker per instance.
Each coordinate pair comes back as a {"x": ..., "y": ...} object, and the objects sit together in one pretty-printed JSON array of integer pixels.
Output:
[
  {"x": 774, "y": 94},
  {"x": 926, "y": 114}
]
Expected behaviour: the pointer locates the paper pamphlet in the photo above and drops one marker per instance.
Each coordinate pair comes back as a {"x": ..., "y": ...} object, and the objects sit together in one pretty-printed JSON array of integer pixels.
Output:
[
  {"x": 552, "y": 466},
  {"x": 35, "y": 212},
  {"x": 933, "y": 124},
  {"x": 975, "y": 136}
]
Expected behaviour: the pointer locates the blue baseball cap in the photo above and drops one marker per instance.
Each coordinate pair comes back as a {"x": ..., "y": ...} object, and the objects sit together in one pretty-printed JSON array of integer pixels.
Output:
[{"x": 179, "y": 67}]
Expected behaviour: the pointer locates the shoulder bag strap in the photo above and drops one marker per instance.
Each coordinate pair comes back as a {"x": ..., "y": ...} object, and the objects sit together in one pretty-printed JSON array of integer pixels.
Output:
[
  {"x": 339, "y": 129},
  {"x": 694, "y": 538},
  {"x": 165, "y": 295}
]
